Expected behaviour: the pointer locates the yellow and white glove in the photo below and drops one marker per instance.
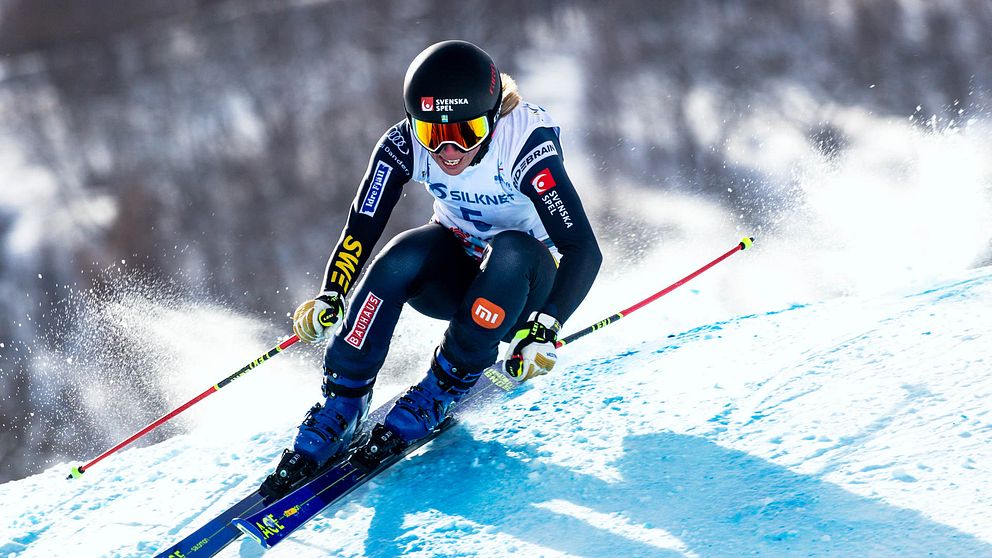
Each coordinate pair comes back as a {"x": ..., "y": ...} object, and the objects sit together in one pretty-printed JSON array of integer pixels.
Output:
[
  {"x": 532, "y": 350},
  {"x": 313, "y": 319}
]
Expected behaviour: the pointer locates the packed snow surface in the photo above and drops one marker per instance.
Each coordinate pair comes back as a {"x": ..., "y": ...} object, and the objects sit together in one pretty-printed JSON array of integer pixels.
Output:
[{"x": 852, "y": 427}]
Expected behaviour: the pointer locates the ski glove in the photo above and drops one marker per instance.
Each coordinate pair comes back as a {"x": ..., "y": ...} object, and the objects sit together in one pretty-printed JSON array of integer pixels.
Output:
[
  {"x": 313, "y": 319},
  {"x": 532, "y": 350}
]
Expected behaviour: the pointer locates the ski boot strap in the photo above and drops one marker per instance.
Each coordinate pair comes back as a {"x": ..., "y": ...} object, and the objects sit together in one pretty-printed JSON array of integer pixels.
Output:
[
  {"x": 450, "y": 378},
  {"x": 336, "y": 385}
]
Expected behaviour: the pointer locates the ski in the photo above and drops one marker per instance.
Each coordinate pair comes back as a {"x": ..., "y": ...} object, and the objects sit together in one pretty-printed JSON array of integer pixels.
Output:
[
  {"x": 218, "y": 533},
  {"x": 215, "y": 534},
  {"x": 274, "y": 523}
]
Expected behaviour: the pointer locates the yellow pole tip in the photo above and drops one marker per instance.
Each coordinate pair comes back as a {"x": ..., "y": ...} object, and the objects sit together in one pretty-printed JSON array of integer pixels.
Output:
[
  {"x": 746, "y": 242},
  {"x": 76, "y": 473}
]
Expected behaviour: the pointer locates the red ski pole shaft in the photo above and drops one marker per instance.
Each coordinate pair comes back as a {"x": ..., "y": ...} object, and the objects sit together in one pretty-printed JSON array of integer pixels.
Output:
[
  {"x": 744, "y": 244},
  {"x": 78, "y": 471}
]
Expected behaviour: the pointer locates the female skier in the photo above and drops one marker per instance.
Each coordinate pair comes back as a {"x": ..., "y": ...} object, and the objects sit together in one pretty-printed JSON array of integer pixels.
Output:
[{"x": 508, "y": 254}]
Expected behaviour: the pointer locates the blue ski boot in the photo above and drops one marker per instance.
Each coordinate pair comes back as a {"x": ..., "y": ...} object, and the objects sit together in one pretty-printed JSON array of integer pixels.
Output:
[
  {"x": 326, "y": 432},
  {"x": 426, "y": 405}
]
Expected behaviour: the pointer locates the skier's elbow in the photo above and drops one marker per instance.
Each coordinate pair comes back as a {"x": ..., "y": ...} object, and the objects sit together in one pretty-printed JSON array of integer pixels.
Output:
[
  {"x": 597, "y": 256},
  {"x": 594, "y": 257}
]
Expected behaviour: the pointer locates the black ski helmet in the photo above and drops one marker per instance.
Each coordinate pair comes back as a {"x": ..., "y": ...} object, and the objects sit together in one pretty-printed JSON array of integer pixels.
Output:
[{"x": 453, "y": 81}]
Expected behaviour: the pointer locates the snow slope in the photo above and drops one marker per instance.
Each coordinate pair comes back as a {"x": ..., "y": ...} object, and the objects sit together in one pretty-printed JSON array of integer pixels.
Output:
[{"x": 854, "y": 427}]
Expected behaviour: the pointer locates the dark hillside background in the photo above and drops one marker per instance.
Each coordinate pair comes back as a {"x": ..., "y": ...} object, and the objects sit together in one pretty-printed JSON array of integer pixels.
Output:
[{"x": 211, "y": 147}]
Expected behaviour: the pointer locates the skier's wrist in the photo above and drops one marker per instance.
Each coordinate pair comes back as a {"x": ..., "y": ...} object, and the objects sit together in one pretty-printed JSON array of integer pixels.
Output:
[
  {"x": 330, "y": 296},
  {"x": 549, "y": 322}
]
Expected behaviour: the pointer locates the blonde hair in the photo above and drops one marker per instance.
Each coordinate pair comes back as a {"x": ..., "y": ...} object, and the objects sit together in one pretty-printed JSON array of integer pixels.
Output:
[{"x": 511, "y": 96}]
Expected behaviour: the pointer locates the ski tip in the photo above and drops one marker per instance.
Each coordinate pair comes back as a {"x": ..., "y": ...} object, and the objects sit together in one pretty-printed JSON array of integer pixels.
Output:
[
  {"x": 76, "y": 472},
  {"x": 746, "y": 242}
]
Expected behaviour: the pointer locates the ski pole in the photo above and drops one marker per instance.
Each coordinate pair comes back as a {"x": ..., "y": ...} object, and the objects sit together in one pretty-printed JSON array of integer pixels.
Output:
[
  {"x": 744, "y": 244},
  {"x": 78, "y": 471}
]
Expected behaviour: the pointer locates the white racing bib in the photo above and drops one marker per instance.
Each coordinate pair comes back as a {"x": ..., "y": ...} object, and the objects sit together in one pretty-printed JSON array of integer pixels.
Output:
[{"x": 485, "y": 199}]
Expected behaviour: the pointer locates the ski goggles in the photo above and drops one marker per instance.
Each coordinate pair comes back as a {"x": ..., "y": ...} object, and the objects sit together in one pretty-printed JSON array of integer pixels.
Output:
[{"x": 465, "y": 135}]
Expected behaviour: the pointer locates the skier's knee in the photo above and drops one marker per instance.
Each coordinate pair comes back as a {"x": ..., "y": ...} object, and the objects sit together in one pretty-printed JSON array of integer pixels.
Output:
[
  {"x": 515, "y": 244},
  {"x": 394, "y": 269},
  {"x": 519, "y": 251}
]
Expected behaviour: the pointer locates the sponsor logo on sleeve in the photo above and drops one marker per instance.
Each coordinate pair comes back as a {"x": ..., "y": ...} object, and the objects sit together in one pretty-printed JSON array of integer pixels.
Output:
[
  {"x": 346, "y": 263},
  {"x": 396, "y": 159},
  {"x": 399, "y": 141},
  {"x": 487, "y": 314},
  {"x": 557, "y": 207},
  {"x": 374, "y": 194},
  {"x": 363, "y": 321},
  {"x": 546, "y": 149},
  {"x": 543, "y": 182}
]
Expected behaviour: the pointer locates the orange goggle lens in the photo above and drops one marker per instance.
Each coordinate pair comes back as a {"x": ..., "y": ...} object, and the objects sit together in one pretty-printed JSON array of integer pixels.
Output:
[{"x": 465, "y": 135}]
